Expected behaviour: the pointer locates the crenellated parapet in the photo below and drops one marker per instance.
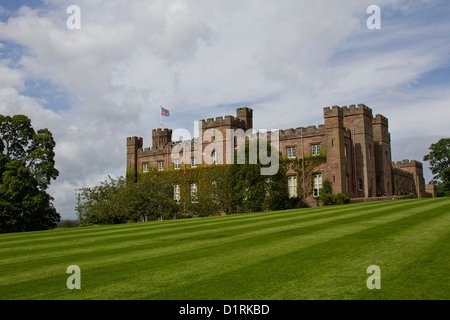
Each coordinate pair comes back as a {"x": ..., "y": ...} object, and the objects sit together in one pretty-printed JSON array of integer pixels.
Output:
[
  {"x": 402, "y": 173},
  {"x": 310, "y": 131},
  {"x": 161, "y": 137},
  {"x": 357, "y": 110},
  {"x": 380, "y": 120},
  {"x": 334, "y": 111},
  {"x": 407, "y": 164},
  {"x": 135, "y": 141},
  {"x": 227, "y": 121}
]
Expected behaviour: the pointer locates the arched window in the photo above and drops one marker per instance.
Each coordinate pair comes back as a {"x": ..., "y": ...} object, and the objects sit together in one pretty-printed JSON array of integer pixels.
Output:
[{"x": 214, "y": 157}]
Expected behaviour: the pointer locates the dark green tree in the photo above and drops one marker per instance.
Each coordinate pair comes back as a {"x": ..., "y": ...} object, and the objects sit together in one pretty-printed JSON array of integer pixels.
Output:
[
  {"x": 23, "y": 206},
  {"x": 117, "y": 201},
  {"x": 27, "y": 167},
  {"x": 439, "y": 159},
  {"x": 102, "y": 204}
]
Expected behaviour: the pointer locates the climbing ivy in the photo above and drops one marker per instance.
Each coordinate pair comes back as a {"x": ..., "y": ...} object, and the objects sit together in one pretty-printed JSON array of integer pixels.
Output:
[{"x": 311, "y": 165}]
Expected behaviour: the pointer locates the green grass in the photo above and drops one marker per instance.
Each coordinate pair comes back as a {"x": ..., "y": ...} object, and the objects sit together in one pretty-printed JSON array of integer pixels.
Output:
[{"x": 317, "y": 253}]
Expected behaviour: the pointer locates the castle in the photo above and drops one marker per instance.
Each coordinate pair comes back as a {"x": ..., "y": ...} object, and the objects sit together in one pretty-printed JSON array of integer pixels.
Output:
[{"x": 356, "y": 143}]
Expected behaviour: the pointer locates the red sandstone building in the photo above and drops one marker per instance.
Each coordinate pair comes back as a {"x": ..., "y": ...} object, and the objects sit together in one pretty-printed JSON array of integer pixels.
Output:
[{"x": 356, "y": 143}]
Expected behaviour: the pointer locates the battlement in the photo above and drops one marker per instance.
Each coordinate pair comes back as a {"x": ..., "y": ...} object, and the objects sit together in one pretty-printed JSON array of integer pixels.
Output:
[
  {"x": 307, "y": 132},
  {"x": 161, "y": 137},
  {"x": 149, "y": 152},
  {"x": 357, "y": 110},
  {"x": 407, "y": 163},
  {"x": 162, "y": 132},
  {"x": 402, "y": 173},
  {"x": 135, "y": 141},
  {"x": 335, "y": 111},
  {"x": 244, "y": 109},
  {"x": 227, "y": 121},
  {"x": 379, "y": 119}
]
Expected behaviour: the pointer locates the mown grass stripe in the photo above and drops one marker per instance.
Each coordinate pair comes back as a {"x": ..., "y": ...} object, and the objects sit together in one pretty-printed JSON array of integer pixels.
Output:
[
  {"x": 9, "y": 240},
  {"x": 270, "y": 248},
  {"x": 206, "y": 255},
  {"x": 254, "y": 229},
  {"x": 260, "y": 266},
  {"x": 129, "y": 239},
  {"x": 342, "y": 275}
]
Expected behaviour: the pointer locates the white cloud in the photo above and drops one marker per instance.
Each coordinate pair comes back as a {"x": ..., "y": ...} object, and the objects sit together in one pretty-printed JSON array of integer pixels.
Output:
[{"x": 12, "y": 78}]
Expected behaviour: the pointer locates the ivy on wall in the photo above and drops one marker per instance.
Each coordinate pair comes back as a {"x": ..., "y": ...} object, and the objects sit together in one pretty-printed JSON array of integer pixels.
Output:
[{"x": 311, "y": 166}]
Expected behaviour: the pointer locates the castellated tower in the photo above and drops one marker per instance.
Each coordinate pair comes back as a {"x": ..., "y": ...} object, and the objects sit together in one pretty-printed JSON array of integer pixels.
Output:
[
  {"x": 245, "y": 114},
  {"x": 161, "y": 138},
  {"x": 359, "y": 121},
  {"x": 133, "y": 145},
  {"x": 383, "y": 159},
  {"x": 334, "y": 137},
  {"x": 416, "y": 169}
]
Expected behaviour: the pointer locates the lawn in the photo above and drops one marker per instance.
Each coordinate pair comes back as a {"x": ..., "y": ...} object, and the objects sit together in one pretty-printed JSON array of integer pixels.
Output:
[{"x": 316, "y": 253}]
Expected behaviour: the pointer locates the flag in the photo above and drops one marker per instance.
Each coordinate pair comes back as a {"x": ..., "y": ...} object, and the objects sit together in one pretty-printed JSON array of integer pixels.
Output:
[{"x": 165, "y": 112}]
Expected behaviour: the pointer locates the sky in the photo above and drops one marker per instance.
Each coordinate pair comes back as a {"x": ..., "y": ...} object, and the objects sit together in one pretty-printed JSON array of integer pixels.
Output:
[{"x": 95, "y": 86}]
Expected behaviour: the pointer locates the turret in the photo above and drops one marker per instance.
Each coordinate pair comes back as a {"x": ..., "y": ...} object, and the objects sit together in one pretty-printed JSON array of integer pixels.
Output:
[
  {"x": 245, "y": 114},
  {"x": 133, "y": 145},
  {"x": 161, "y": 138}
]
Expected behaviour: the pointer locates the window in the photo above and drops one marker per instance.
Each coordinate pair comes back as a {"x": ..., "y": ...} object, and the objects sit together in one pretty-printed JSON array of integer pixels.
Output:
[
  {"x": 315, "y": 149},
  {"x": 292, "y": 185},
  {"x": 145, "y": 167},
  {"x": 176, "y": 192},
  {"x": 194, "y": 193},
  {"x": 291, "y": 152},
  {"x": 176, "y": 164},
  {"x": 345, "y": 150},
  {"x": 246, "y": 191},
  {"x": 193, "y": 162},
  {"x": 160, "y": 165},
  {"x": 268, "y": 187},
  {"x": 214, "y": 157},
  {"x": 360, "y": 184},
  {"x": 214, "y": 194},
  {"x": 317, "y": 185}
]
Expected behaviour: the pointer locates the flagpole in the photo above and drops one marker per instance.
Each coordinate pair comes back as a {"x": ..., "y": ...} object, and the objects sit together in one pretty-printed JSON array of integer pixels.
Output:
[{"x": 160, "y": 118}]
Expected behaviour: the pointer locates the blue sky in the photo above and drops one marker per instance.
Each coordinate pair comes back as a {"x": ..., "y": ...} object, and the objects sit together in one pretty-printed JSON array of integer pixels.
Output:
[{"x": 96, "y": 86}]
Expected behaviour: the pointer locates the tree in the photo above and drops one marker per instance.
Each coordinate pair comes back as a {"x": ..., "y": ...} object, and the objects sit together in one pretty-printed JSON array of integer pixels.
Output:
[
  {"x": 117, "y": 201},
  {"x": 27, "y": 167},
  {"x": 19, "y": 141},
  {"x": 101, "y": 204},
  {"x": 23, "y": 206},
  {"x": 439, "y": 159}
]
